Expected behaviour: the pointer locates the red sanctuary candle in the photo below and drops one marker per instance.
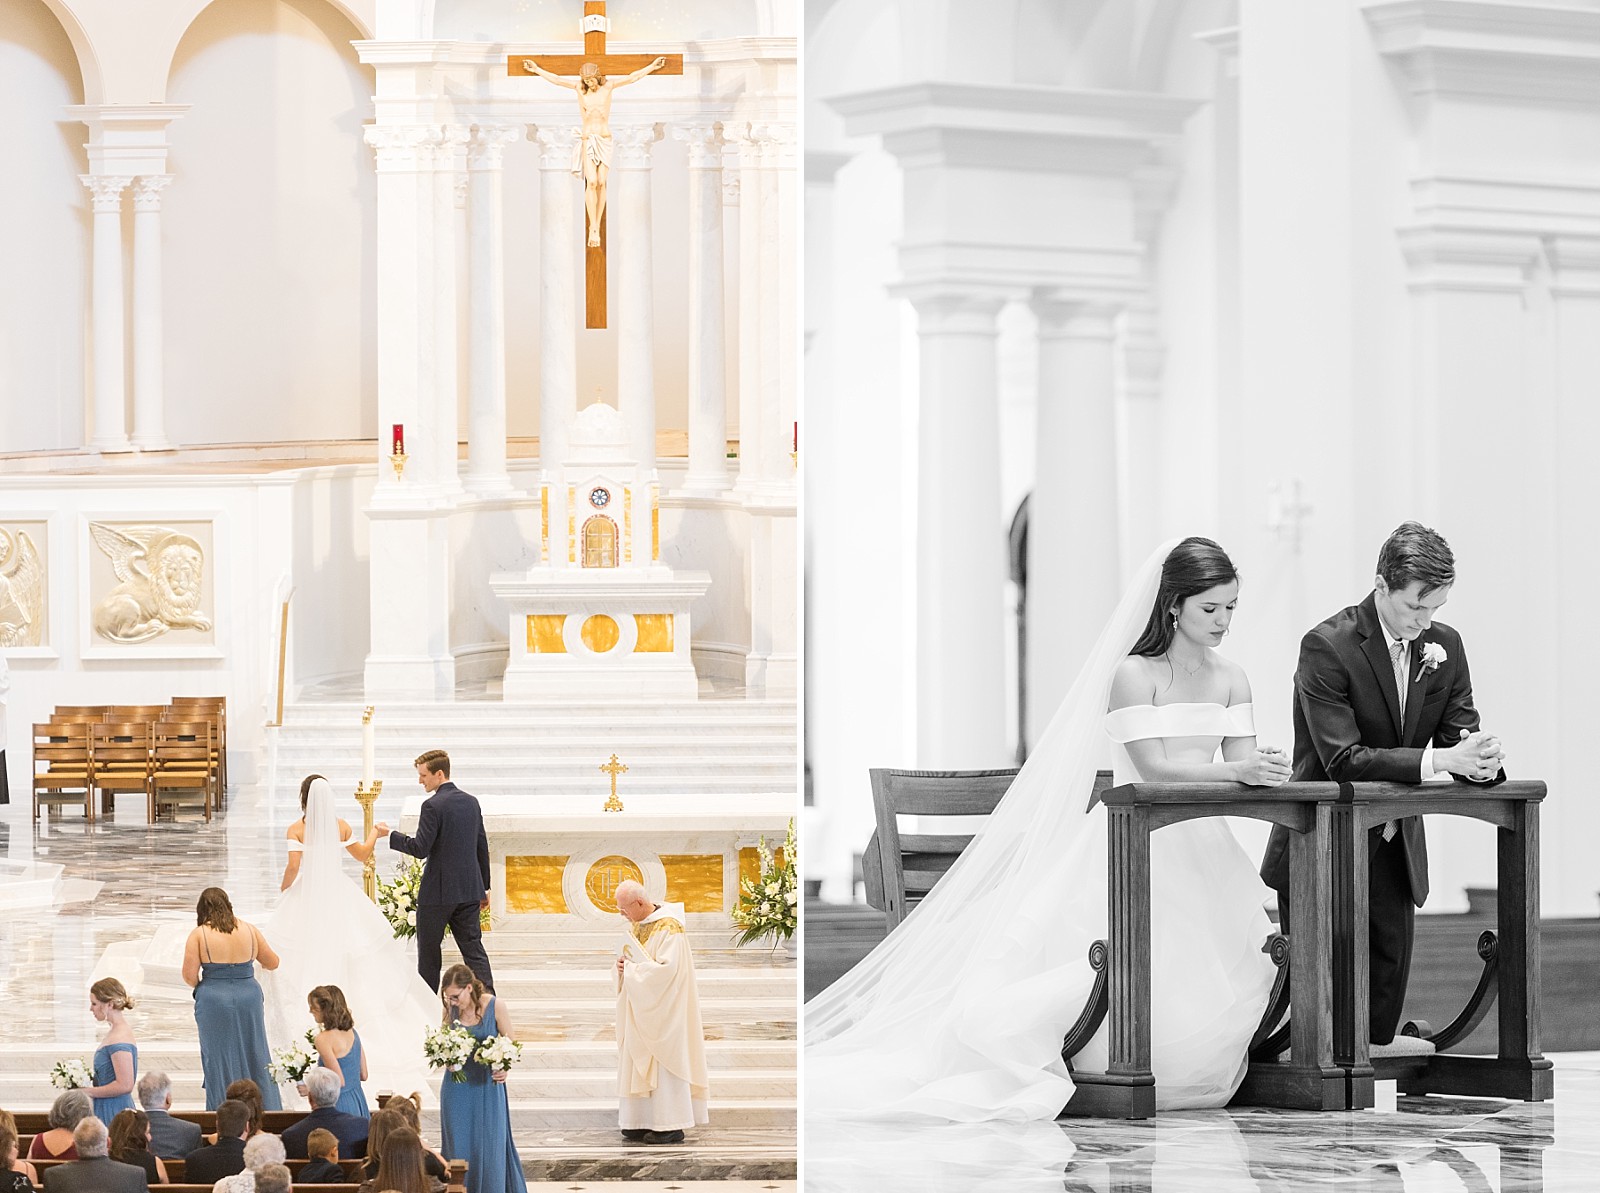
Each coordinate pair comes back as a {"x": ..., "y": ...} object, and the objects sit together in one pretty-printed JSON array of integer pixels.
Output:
[
  {"x": 796, "y": 437},
  {"x": 399, "y": 439}
]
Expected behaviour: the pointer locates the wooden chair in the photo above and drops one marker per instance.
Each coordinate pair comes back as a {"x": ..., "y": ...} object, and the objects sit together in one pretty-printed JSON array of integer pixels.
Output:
[
  {"x": 80, "y": 712},
  {"x": 121, "y": 755},
  {"x": 147, "y": 713},
  {"x": 215, "y": 708},
  {"x": 182, "y": 754},
  {"x": 63, "y": 771}
]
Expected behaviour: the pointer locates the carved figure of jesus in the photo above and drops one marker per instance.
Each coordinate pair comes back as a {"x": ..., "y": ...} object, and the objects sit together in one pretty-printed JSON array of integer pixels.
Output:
[{"x": 592, "y": 155}]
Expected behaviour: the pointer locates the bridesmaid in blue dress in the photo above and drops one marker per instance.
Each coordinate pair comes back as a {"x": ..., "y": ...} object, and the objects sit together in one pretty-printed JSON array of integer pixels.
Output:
[
  {"x": 339, "y": 1046},
  {"x": 116, "y": 1061},
  {"x": 475, "y": 1114},
  {"x": 219, "y": 960}
]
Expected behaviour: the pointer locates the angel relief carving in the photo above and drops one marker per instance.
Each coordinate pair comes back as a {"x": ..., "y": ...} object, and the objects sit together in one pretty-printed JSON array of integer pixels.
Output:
[
  {"x": 21, "y": 590},
  {"x": 161, "y": 575}
]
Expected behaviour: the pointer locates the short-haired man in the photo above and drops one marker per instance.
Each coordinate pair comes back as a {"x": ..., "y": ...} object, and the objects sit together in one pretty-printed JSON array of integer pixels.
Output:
[
  {"x": 455, "y": 872},
  {"x": 170, "y": 1138},
  {"x": 661, "y": 1050},
  {"x": 93, "y": 1171},
  {"x": 322, "y": 1088},
  {"x": 225, "y": 1157},
  {"x": 1382, "y": 694}
]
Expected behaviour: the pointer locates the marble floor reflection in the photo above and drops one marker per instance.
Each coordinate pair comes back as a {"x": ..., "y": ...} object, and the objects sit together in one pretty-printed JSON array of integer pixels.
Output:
[{"x": 1406, "y": 1145}]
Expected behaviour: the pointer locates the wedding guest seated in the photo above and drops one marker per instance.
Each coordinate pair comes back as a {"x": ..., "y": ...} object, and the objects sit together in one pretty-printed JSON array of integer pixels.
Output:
[
  {"x": 170, "y": 1138},
  {"x": 209, "y": 1164},
  {"x": 322, "y": 1088},
  {"x": 410, "y": 1109},
  {"x": 247, "y": 1091},
  {"x": 66, "y": 1112},
  {"x": 261, "y": 1152},
  {"x": 323, "y": 1167},
  {"x": 130, "y": 1143},
  {"x": 16, "y": 1176},
  {"x": 273, "y": 1178},
  {"x": 400, "y": 1167},
  {"x": 93, "y": 1171}
]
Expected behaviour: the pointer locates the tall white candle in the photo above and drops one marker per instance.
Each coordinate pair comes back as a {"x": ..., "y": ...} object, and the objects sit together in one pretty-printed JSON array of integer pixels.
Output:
[{"x": 369, "y": 746}]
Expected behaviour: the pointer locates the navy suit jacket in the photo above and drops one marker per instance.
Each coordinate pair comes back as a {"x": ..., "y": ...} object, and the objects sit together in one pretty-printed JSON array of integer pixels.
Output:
[
  {"x": 208, "y": 1165},
  {"x": 455, "y": 849},
  {"x": 172, "y": 1138},
  {"x": 349, "y": 1129}
]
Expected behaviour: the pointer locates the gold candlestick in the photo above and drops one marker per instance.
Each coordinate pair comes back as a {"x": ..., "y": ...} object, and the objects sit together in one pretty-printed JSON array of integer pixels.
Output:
[
  {"x": 398, "y": 459},
  {"x": 366, "y": 797},
  {"x": 613, "y": 768}
]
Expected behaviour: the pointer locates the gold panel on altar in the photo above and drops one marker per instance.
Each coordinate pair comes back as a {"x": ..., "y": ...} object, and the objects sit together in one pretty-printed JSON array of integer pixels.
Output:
[
  {"x": 533, "y": 884},
  {"x": 544, "y": 633},
  {"x": 655, "y": 633},
  {"x": 600, "y": 633},
  {"x": 750, "y": 863},
  {"x": 694, "y": 879},
  {"x": 601, "y": 883}
]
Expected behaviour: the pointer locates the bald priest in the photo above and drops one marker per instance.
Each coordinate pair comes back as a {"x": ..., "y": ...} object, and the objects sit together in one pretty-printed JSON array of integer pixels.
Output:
[{"x": 661, "y": 1061}]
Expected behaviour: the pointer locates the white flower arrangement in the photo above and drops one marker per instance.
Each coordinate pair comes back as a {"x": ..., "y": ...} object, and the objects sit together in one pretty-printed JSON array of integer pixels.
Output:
[
  {"x": 1432, "y": 655},
  {"x": 769, "y": 904},
  {"x": 71, "y": 1074},
  {"x": 294, "y": 1062},
  {"x": 449, "y": 1048},
  {"x": 397, "y": 899},
  {"x": 499, "y": 1053}
]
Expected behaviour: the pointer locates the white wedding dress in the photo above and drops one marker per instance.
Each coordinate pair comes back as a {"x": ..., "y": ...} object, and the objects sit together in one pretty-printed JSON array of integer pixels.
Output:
[
  {"x": 328, "y": 933},
  {"x": 959, "y": 1014}
]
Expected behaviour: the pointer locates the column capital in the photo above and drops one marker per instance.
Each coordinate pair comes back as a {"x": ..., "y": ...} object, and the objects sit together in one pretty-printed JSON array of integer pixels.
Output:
[
  {"x": 632, "y": 143},
  {"x": 768, "y": 145},
  {"x": 557, "y": 143},
  {"x": 400, "y": 146},
  {"x": 954, "y": 309},
  {"x": 486, "y": 148},
  {"x": 705, "y": 144},
  {"x": 106, "y": 189},
  {"x": 1074, "y": 318},
  {"x": 147, "y": 190}
]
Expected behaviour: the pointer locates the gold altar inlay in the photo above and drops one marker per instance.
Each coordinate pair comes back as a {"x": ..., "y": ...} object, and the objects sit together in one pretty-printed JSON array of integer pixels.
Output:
[
  {"x": 572, "y": 524},
  {"x": 600, "y": 884},
  {"x": 655, "y": 633},
  {"x": 694, "y": 879},
  {"x": 533, "y": 885},
  {"x": 750, "y": 863},
  {"x": 655, "y": 523},
  {"x": 627, "y": 526},
  {"x": 545, "y": 633},
  {"x": 601, "y": 633}
]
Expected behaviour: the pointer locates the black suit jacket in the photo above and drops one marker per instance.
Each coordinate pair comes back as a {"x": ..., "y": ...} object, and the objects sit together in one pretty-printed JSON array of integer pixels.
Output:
[
  {"x": 208, "y": 1165},
  {"x": 172, "y": 1138},
  {"x": 450, "y": 837},
  {"x": 349, "y": 1129},
  {"x": 98, "y": 1175},
  {"x": 1347, "y": 724}
]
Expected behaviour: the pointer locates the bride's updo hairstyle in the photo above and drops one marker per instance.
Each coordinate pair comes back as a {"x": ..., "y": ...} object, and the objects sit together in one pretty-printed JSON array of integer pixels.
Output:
[
  {"x": 215, "y": 910},
  {"x": 305, "y": 789},
  {"x": 454, "y": 978},
  {"x": 1192, "y": 567},
  {"x": 332, "y": 1009}
]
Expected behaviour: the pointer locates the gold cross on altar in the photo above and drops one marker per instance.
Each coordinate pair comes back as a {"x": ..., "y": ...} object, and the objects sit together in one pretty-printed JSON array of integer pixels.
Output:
[
  {"x": 613, "y": 768},
  {"x": 595, "y": 62}
]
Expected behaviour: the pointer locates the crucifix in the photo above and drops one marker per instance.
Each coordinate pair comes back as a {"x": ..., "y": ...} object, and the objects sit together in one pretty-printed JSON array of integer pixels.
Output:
[
  {"x": 589, "y": 74},
  {"x": 613, "y": 768}
]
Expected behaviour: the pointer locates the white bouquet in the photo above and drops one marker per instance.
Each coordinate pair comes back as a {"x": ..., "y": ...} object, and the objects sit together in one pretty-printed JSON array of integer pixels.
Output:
[
  {"x": 292, "y": 1063},
  {"x": 397, "y": 898},
  {"x": 71, "y": 1074},
  {"x": 499, "y": 1053},
  {"x": 449, "y": 1048}
]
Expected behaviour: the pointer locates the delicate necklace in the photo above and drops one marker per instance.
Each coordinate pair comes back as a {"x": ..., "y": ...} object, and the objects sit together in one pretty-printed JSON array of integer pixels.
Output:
[{"x": 1187, "y": 670}]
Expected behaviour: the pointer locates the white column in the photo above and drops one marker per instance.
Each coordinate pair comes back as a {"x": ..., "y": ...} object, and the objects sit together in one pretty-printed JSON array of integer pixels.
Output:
[
  {"x": 773, "y": 431},
  {"x": 750, "y": 298},
  {"x": 708, "y": 395},
  {"x": 149, "y": 429},
  {"x": 1073, "y": 572},
  {"x": 961, "y": 563},
  {"x": 559, "y": 296},
  {"x": 628, "y": 208},
  {"x": 446, "y": 440},
  {"x": 110, "y": 383},
  {"x": 486, "y": 420}
]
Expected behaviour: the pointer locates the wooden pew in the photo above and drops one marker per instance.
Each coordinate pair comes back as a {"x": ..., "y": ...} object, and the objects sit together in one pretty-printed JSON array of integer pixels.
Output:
[
  {"x": 1519, "y": 1070},
  {"x": 175, "y": 1174}
]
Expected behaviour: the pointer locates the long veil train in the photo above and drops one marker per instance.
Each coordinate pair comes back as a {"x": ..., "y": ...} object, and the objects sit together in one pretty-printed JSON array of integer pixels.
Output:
[{"x": 327, "y": 932}]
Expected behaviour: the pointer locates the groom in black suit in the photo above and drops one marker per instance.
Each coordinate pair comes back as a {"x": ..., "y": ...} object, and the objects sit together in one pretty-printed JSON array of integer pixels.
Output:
[
  {"x": 1382, "y": 694},
  {"x": 455, "y": 876}
]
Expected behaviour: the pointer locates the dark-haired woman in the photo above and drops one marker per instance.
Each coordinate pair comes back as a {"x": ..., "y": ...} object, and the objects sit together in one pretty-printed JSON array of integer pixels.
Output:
[
  {"x": 129, "y": 1143},
  {"x": 219, "y": 961},
  {"x": 959, "y": 1014},
  {"x": 339, "y": 1047},
  {"x": 475, "y": 1114}
]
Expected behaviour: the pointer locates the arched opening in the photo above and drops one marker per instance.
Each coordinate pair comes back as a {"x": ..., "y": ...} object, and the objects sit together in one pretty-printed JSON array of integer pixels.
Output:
[{"x": 599, "y": 542}]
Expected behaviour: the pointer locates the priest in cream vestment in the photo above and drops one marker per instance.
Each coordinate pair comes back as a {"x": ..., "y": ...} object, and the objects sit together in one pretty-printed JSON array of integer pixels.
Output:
[{"x": 661, "y": 1051}]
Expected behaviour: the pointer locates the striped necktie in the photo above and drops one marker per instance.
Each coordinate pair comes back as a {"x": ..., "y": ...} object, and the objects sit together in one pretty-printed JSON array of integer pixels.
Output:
[{"x": 1397, "y": 652}]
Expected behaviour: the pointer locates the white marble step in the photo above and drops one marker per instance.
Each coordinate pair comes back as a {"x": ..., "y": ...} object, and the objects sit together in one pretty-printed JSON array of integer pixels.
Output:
[
  {"x": 621, "y": 711},
  {"x": 534, "y": 988},
  {"x": 601, "y": 1113}
]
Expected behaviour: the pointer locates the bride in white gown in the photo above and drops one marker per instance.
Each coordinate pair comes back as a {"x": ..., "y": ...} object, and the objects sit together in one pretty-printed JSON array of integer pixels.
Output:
[
  {"x": 328, "y": 933},
  {"x": 959, "y": 1014}
]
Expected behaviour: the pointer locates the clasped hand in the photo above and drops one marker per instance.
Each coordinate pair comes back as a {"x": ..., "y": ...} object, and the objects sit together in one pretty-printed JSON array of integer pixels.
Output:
[
  {"x": 1267, "y": 766},
  {"x": 1476, "y": 756}
]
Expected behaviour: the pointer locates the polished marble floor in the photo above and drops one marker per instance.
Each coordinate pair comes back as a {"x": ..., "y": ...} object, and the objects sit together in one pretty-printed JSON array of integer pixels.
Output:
[{"x": 1406, "y": 1145}]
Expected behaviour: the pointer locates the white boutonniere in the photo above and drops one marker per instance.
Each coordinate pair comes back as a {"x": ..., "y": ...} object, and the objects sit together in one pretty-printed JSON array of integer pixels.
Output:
[{"x": 1432, "y": 655}]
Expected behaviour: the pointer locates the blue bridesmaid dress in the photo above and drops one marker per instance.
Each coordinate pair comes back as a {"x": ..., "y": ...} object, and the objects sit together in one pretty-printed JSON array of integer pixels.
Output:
[
  {"x": 475, "y": 1115},
  {"x": 351, "y": 1098},
  {"x": 229, "y": 1015},
  {"x": 106, "y": 1109}
]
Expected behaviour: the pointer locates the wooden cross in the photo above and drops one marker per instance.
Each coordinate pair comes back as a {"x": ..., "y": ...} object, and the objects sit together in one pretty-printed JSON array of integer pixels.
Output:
[
  {"x": 614, "y": 768},
  {"x": 595, "y": 26}
]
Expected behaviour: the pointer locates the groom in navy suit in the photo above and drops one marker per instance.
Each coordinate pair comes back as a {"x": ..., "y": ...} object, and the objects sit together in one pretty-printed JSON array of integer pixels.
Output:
[
  {"x": 1382, "y": 694},
  {"x": 455, "y": 876}
]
